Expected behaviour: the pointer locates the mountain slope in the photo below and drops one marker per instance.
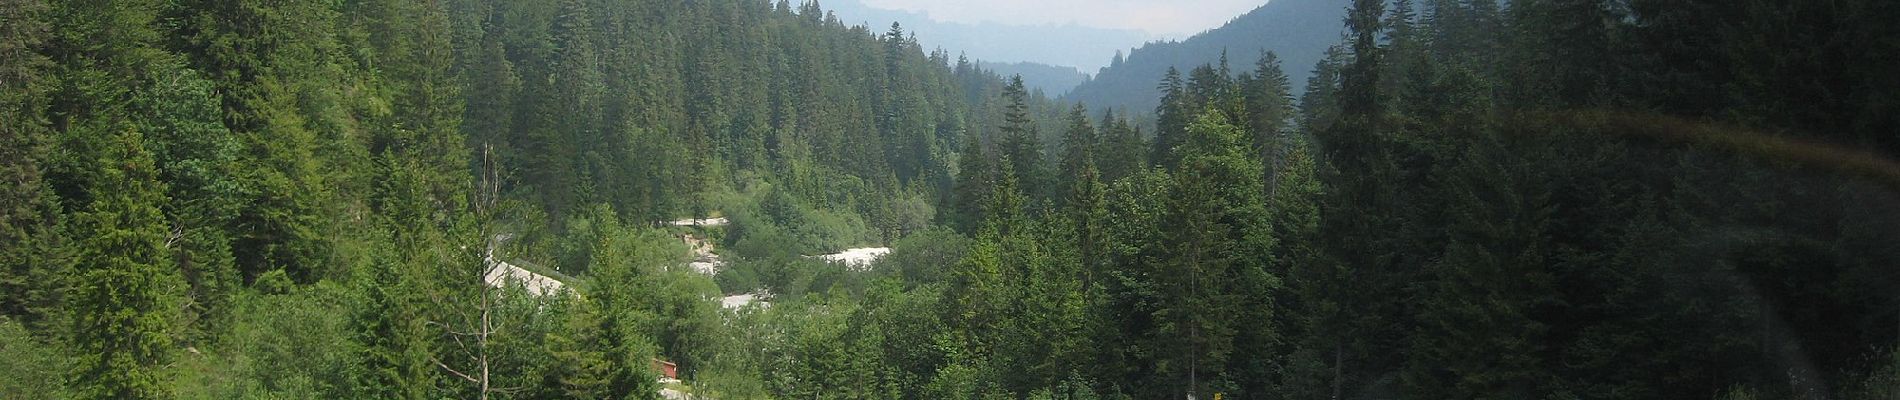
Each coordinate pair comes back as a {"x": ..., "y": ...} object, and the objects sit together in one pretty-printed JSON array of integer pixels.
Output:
[
  {"x": 1297, "y": 30},
  {"x": 1052, "y": 80}
]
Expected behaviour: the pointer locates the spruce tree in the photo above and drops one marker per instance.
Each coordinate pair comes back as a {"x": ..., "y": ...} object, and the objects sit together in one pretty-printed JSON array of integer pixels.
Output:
[
  {"x": 124, "y": 301},
  {"x": 975, "y": 177},
  {"x": 1217, "y": 231},
  {"x": 1269, "y": 111},
  {"x": 282, "y": 96},
  {"x": 1021, "y": 145},
  {"x": 1080, "y": 144},
  {"x": 394, "y": 359},
  {"x": 1171, "y": 119}
]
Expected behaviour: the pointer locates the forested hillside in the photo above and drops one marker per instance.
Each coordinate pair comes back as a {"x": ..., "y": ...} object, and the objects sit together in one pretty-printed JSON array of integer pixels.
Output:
[
  {"x": 1298, "y": 31},
  {"x": 1583, "y": 199},
  {"x": 220, "y": 199}
]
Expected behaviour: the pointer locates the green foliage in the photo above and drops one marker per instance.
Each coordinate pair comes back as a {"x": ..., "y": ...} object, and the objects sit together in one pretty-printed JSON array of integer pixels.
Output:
[
  {"x": 36, "y": 369},
  {"x": 1020, "y": 146},
  {"x": 921, "y": 259},
  {"x": 642, "y": 293},
  {"x": 124, "y": 301},
  {"x": 28, "y": 230},
  {"x": 393, "y": 335},
  {"x": 598, "y": 355},
  {"x": 1474, "y": 201},
  {"x": 1215, "y": 267},
  {"x": 1123, "y": 152},
  {"x": 295, "y": 345},
  {"x": 197, "y": 158}
]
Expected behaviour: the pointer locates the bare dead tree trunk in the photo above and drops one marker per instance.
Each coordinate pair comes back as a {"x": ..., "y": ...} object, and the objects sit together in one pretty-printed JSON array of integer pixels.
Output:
[
  {"x": 485, "y": 198},
  {"x": 479, "y": 352},
  {"x": 487, "y": 329}
]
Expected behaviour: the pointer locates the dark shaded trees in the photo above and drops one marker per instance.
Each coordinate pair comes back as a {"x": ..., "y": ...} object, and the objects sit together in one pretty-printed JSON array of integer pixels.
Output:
[{"x": 29, "y": 233}]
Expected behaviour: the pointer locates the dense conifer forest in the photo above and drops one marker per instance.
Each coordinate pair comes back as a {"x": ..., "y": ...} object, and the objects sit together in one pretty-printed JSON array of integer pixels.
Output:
[{"x": 1567, "y": 199}]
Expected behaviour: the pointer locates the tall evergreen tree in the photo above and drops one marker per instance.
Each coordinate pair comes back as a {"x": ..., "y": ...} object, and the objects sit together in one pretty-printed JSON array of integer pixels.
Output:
[
  {"x": 279, "y": 80},
  {"x": 1269, "y": 111},
  {"x": 975, "y": 174},
  {"x": 1171, "y": 120},
  {"x": 1122, "y": 151},
  {"x": 1217, "y": 229},
  {"x": 1021, "y": 145},
  {"x": 394, "y": 359},
  {"x": 124, "y": 302},
  {"x": 1080, "y": 145},
  {"x": 1356, "y": 197}
]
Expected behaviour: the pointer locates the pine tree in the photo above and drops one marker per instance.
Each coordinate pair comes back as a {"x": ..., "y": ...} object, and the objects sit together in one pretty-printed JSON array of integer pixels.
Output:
[
  {"x": 124, "y": 300},
  {"x": 1080, "y": 145},
  {"x": 282, "y": 95},
  {"x": 975, "y": 177},
  {"x": 565, "y": 116},
  {"x": 1211, "y": 86},
  {"x": 394, "y": 359},
  {"x": 1564, "y": 48},
  {"x": 1300, "y": 259},
  {"x": 1006, "y": 206},
  {"x": 1122, "y": 152},
  {"x": 120, "y": 305},
  {"x": 1171, "y": 120},
  {"x": 1498, "y": 252},
  {"x": 1358, "y": 207},
  {"x": 429, "y": 103},
  {"x": 1269, "y": 110},
  {"x": 1021, "y": 145},
  {"x": 1215, "y": 267},
  {"x": 1088, "y": 209},
  {"x": 493, "y": 84},
  {"x": 623, "y": 265}
]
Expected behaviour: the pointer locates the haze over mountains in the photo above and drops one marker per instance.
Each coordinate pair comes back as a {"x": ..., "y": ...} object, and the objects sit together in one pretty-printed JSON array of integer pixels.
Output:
[
  {"x": 1052, "y": 80},
  {"x": 1298, "y": 31},
  {"x": 1079, "y": 63},
  {"x": 1083, "y": 48}
]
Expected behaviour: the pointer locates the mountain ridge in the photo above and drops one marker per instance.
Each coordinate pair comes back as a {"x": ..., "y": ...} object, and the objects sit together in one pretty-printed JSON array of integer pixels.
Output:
[
  {"x": 1298, "y": 31},
  {"x": 1083, "y": 48},
  {"x": 1052, "y": 80}
]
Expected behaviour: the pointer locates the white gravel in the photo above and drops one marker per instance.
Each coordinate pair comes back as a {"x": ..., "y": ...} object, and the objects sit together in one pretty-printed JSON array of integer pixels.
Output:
[
  {"x": 734, "y": 302},
  {"x": 721, "y": 221},
  {"x": 670, "y": 394},
  {"x": 704, "y": 260},
  {"x": 501, "y": 274},
  {"x": 858, "y": 258}
]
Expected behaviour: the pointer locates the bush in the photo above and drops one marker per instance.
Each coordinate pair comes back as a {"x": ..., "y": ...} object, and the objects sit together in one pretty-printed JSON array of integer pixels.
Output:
[
  {"x": 919, "y": 259},
  {"x": 278, "y": 346}
]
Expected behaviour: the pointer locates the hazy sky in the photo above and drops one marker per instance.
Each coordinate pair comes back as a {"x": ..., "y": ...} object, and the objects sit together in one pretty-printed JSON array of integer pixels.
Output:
[{"x": 1174, "y": 19}]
